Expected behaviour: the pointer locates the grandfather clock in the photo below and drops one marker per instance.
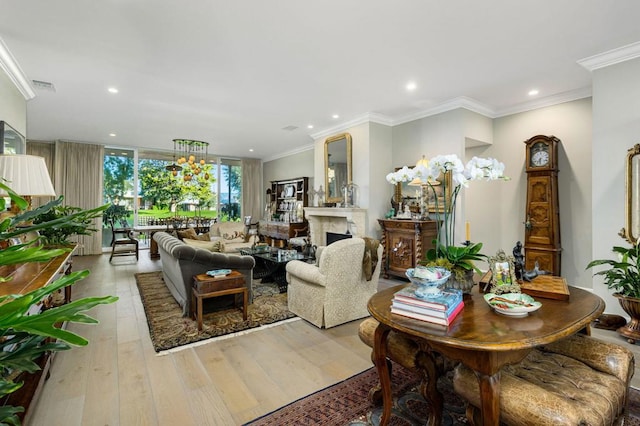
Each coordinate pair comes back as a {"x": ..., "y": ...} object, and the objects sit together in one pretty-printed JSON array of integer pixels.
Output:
[{"x": 542, "y": 225}]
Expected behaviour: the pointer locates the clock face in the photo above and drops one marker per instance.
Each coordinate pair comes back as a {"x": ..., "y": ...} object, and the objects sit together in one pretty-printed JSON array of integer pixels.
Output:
[{"x": 539, "y": 155}]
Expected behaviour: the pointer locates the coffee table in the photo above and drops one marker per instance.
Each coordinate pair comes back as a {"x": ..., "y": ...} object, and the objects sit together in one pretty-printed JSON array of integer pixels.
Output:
[
  {"x": 481, "y": 339},
  {"x": 205, "y": 287},
  {"x": 272, "y": 268}
]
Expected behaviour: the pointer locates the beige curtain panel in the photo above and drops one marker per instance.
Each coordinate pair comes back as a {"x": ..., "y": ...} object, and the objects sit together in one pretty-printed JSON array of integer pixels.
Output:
[
  {"x": 251, "y": 184},
  {"x": 78, "y": 176}
]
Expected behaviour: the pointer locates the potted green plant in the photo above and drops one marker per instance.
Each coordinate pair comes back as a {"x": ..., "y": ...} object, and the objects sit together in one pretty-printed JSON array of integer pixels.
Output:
[
  {"x": 458, "y": 259},
  {"x": 25, "y": 338},
  {"x": 623, "y": 277},
  {"x": 82, "y": 224}
]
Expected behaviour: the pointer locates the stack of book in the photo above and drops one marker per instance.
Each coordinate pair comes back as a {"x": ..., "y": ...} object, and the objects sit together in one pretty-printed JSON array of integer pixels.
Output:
[{"x": 441, "y": 309}]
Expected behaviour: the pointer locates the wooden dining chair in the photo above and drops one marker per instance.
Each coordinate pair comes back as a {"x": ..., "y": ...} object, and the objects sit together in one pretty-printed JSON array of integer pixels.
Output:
[{"x": 123, "y": 242}]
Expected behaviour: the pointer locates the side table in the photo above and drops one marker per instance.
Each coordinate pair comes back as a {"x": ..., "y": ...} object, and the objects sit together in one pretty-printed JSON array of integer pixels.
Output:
[{"x": 205, "y": 287}]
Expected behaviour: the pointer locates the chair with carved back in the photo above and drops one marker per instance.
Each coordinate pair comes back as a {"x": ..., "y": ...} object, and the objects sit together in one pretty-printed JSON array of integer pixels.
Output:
[{"x": 123, "y": 242}]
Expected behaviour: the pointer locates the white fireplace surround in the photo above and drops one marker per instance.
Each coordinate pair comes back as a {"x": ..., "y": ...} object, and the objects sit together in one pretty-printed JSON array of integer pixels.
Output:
[{"x": 335, "y": 219}]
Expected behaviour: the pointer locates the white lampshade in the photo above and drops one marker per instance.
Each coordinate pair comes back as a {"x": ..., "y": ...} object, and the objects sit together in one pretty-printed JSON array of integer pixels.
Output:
[
  {"x": 27, "y": 175},
  {"x": 417, "y": 181}
]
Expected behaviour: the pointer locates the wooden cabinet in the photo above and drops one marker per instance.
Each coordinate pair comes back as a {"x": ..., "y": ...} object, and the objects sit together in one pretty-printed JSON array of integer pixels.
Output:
[
  {"x": 281, "y": 230},
  {"x": 286, "y": 202},
  {"x": 287, "y": 199},
  {"x": 405, "y": 243}
]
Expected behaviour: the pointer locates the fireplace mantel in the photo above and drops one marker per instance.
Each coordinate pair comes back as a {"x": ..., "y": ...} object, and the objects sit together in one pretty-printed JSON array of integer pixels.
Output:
[{"x": 335, "y": 219}]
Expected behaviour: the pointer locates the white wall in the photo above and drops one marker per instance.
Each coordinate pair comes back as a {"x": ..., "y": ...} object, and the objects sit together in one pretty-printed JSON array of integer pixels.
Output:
[
  {"x": 378, "y": 190},
  {"x": 616, "y": 128},
  {"x": 13, "y": 106},
  {"x": 300, "y": 164}
]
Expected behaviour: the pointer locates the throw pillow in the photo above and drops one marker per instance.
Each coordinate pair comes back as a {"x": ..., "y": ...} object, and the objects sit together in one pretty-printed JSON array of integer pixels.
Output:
[
  {"x": 234, "y": 235},
  {"x": 213, "y": 246},
  {"x": 188, "y": 233},
  {"x": 204, "y": 237}
]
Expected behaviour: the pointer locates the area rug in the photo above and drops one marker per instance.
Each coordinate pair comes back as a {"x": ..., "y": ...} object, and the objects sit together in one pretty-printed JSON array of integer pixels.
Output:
[
  {"x": 347, "y": 404},
  {"x": 169, "y": 329}
]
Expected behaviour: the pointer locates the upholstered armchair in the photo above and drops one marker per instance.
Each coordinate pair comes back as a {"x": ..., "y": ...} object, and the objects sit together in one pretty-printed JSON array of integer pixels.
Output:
[{"x": 335, "y": 290}]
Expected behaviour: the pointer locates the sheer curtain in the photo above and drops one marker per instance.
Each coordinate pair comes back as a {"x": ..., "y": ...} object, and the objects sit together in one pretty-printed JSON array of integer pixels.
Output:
[
  {"x": 46, "y": 151},
  {"x": 251, "y": 188},
  {"x": 78, "y": 176}
]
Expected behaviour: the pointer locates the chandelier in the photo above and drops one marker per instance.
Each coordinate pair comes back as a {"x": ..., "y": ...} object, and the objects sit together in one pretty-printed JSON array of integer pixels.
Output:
[{"x": 191, "y": 158}]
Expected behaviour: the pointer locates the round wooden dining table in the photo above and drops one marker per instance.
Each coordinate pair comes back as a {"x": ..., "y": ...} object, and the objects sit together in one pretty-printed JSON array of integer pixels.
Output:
[{"x": 481, "y": 339}]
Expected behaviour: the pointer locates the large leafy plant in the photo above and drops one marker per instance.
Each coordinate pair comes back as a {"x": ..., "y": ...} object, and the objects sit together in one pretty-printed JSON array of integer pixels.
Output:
[
  {"x": 623, "y": 275},
  {"x": 25, "y": 338},
  {"x": 59, "y": 235}
]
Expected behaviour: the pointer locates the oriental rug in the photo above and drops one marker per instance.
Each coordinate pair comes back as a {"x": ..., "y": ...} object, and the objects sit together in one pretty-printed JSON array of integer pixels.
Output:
[
  {"x": 168, "y": 329},
  {"x": 346, "y": 404}
]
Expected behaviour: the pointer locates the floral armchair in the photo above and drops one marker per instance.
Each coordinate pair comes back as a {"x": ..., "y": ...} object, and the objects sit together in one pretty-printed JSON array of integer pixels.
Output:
[{"x": 334, "y": 291}]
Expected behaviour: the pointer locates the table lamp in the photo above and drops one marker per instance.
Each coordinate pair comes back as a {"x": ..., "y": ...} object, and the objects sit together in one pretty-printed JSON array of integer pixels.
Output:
[{"x": 27, "y": 176}]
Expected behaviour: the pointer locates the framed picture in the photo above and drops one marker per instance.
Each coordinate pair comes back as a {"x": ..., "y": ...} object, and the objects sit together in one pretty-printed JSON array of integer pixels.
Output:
[
  {"x": 403, "y": 192},
  {"x": 503, "y": 274}
]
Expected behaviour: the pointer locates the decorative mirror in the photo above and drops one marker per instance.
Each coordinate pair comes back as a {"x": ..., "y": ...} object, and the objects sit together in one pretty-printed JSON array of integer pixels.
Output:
[
  {"x": 631, "y": 231},
  {"x": 337, "y": 166}
]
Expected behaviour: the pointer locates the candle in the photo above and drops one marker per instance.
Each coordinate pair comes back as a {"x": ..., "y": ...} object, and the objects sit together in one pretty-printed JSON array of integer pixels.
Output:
[{"x": 468, "y": 229}]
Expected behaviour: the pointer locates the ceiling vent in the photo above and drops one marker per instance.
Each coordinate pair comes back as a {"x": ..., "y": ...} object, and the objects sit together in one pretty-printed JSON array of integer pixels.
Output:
[
  {"x": 290, "y": 128},
  {"x": 44, "y": 85}
]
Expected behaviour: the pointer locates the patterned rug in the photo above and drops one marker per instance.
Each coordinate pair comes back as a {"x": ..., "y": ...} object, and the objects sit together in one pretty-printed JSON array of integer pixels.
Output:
[
  {"x": 347, "y": 404},
  {"x": 169, "y": 329}
]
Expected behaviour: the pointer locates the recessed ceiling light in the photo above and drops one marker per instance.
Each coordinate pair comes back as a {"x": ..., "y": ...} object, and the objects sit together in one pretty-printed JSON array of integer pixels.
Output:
[
  {"x": 112, "y": 90},
  {"x": 112, "y": 135},
  {"x": 310, "y": 126},
  {"x": 335, "y": 116},
  {"x": 533, "y": 92},
  {"x": 411, "y": 86},
  {"x": 250, "y": 149}
]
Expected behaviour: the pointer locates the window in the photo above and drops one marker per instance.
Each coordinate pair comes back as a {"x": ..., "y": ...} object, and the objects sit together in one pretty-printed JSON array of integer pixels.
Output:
[{"x": 160, "y": 195}]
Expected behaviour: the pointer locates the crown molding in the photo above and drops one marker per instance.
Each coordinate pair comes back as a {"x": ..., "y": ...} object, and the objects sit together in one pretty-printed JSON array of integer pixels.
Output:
[
  {"x": 11, "y": 67},
  {"x": 288, "y": 153},
  {"x": 611, "y": 57},
  {"x": 370, "y": 117},
  {"x": 450, "y": 105},
  {"x": 548, "y": 101}
]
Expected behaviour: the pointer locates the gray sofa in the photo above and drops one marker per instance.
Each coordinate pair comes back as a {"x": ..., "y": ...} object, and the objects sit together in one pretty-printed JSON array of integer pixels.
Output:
[{"x": 180, "y": 262}]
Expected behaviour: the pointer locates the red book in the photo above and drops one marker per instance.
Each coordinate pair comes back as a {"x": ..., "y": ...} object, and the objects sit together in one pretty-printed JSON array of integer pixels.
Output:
[{"x": 429, "y": 318}]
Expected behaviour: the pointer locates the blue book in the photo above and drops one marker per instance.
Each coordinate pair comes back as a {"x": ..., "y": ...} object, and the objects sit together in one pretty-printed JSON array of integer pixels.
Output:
[
  {"x": 398, "y": 304},
  {"x": 443, "y": 302}
]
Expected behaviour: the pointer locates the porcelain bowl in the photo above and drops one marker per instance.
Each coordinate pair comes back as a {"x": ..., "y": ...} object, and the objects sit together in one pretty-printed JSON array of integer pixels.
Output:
[
  {"x": 428, "y": 288},
  {"x": 444, "y": 276},
  {"x": 512, "y": 304}
]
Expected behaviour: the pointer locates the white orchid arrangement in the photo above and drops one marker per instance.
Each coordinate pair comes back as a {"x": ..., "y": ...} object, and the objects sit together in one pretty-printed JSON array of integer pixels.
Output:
[{"x": 476, "y": 169}]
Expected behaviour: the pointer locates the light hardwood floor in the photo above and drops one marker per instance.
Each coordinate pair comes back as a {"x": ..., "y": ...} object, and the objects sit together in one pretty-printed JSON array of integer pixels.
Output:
[{"x": 118, "y": 379}]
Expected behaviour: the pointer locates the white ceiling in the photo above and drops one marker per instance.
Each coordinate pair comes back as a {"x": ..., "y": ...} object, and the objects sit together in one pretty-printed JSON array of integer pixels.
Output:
[{"x": 235, "y": 73}]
